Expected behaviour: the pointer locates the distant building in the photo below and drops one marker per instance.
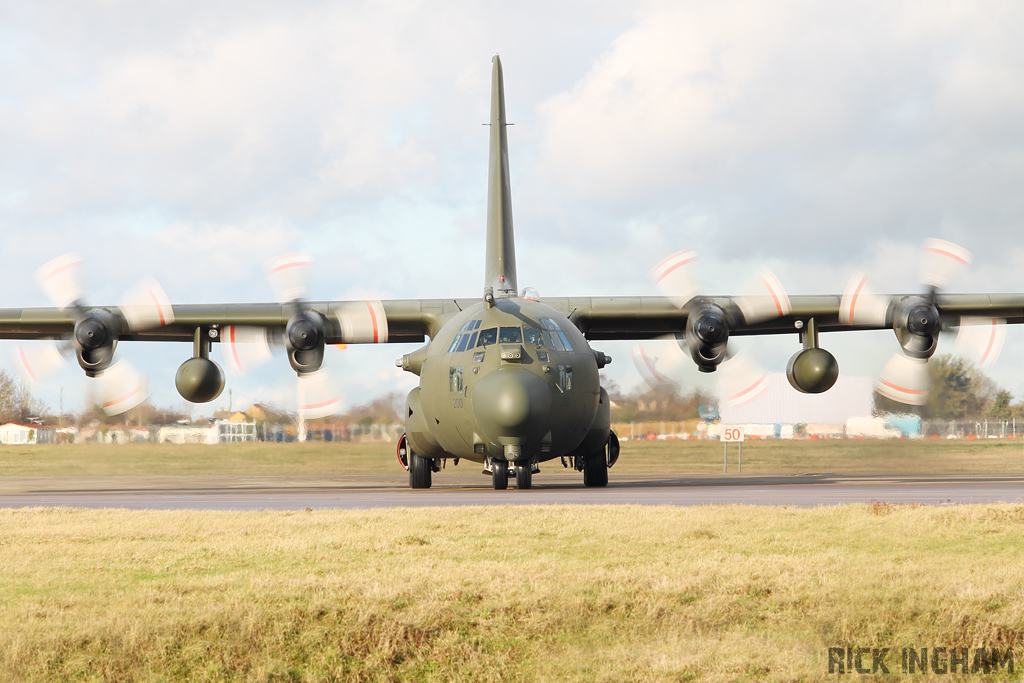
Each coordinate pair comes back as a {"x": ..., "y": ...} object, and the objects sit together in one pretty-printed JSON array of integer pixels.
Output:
[
  {"x": 233, "y": 431},
  {"x": 99, "y": 433},
  {"x": 782, "y": 404},
  {"x": 14, "y": 433},
  {"x": 219, "y": 431},
  {"x": 181, "y": 434}
]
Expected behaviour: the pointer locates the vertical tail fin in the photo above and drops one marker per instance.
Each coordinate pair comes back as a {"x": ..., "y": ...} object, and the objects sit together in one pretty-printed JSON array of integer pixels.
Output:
[{"x": 500, "y": 274}]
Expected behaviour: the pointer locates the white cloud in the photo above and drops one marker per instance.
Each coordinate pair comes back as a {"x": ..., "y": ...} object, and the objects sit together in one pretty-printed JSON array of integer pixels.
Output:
[{"x": 193, "y": 141}]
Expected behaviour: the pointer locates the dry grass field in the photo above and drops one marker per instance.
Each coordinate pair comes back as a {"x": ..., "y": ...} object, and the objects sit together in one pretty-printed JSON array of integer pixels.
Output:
[
  {"x": 853, "y": 456},
  {"x": 517, "y": 593},
  {"x": 502, "y": 593}
]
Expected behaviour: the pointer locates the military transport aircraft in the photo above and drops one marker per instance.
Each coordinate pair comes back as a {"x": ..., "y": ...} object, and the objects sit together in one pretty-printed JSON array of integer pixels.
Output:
[{"x": 508, "y": 380}]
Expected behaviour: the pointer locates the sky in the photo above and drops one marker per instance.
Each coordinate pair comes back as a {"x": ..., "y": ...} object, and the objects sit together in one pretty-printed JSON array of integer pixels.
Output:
[{"x": 193, "y": 141}]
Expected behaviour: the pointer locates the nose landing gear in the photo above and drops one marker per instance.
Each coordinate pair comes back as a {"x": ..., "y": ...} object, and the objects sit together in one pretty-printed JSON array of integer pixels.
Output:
[
  {"x": 499, "y": 474},
  {"x": 524, "y": 476}
]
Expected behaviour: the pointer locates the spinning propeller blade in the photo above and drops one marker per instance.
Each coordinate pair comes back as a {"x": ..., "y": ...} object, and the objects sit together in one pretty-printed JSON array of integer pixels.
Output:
[
  {"x": 860, "y": 304},
  {"x": 244, "y": 347},
  {"x": 317, "y": 395},
  {"x": 146, "y": 306},
  {"x": 768, "y": 301},
  {"x": 143, "y": 307},
  {"x": 707, "y": 330},
  {"x": 36, "y": 361},
  {"x": 904, "y": 380},
  {"x": 981, "y": 339},
  {"x": 941, "y": 261},
  {"x": 122, "y": 388},
  {"x": 742, "y": 381},
  {"x": 674, "y": 277},
  {"x": 60, "y": 280},
  {"x": 288, "y": 274}
]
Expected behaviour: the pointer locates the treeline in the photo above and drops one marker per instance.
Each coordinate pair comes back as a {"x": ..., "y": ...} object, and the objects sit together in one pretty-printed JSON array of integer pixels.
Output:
[
  {"x": 959, "y": 391},
  {"x": 652, "y": 404}
]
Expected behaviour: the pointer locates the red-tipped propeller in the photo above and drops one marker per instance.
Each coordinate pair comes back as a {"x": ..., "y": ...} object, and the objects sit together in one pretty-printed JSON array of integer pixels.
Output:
[
  {"x": 304, "y": 338},
  {"x": 121, "y": 386},
  {"x": 917, "y": 323},
  {"x": 706, "y": 336}
]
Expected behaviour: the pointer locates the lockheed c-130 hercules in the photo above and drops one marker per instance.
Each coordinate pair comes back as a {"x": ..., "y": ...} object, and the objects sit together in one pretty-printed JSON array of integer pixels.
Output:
[{"x": 508, "y": 380}]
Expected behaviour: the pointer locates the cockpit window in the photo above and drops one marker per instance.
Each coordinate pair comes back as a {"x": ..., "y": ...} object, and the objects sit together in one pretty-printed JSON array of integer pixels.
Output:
[
  {"x": 488, "y": 336},
  {"x": 555, "y": 337},
  {"x": 468, "y": 341},
  {"x": 553, "y": 340},
  {"x": 510, "y": 335},
  {"x": 531, "y": 335},
  {"x": 466, "y": 338}
]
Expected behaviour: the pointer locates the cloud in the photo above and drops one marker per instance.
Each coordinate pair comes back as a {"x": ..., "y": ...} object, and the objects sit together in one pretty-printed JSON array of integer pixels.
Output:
[
  {"x": 192, "y": 141},
  {"x": 797, "y": 123}
]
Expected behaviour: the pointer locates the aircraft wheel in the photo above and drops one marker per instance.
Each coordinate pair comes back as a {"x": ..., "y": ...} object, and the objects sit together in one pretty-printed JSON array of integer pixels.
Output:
[
  {"x": 524, "y": 476},
  {"x": 499, "y": 474},
  {"x": 595, "y": 470},
  {"x": 419, "y": 472}
]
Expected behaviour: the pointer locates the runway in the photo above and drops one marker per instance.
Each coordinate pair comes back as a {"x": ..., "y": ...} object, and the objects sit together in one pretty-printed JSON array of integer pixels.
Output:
[{"x": 274, "y": 492}]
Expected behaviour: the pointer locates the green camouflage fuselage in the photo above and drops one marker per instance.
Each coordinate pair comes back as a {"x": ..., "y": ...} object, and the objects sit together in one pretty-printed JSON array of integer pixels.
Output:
[{"x": 512, "y": 381}]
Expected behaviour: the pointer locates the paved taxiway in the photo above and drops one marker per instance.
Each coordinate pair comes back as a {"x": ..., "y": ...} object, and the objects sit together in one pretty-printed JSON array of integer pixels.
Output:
[{"x": 356, "y": 491}]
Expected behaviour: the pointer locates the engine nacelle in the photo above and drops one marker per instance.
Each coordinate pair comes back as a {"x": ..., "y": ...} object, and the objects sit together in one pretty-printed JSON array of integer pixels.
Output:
[
  {"x": 95, "y": 340},
  {"x": 199, "y": 380},
  {"x": 812, "y": 371},
  {"x": 304, "y": 338},
  {"x": 706, "y": 336}
]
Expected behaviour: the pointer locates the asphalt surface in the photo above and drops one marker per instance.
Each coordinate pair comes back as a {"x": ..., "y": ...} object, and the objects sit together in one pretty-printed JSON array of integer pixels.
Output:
[{"x": 273, "y": 492}]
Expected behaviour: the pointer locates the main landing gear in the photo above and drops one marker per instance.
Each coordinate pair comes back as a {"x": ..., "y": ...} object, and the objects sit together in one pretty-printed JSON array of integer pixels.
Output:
[
  {"x": 419, "y": 471},
  {"x": 595, "y": 470},
  {"x": 420, "y": 468},
  {"x": 595, "y": 466}
]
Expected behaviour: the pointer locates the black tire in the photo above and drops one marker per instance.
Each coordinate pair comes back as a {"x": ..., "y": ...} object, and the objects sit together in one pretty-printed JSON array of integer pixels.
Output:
[
  {"x": 499, "y": 474},
  {"x": 419, "y": 472},
  {"x": 595, "y": 470},
  {"x": 524, "y": 476}
]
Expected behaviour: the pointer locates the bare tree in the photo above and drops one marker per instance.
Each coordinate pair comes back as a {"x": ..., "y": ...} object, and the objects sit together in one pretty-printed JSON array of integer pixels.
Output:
[{"x": 16, "y": 402}]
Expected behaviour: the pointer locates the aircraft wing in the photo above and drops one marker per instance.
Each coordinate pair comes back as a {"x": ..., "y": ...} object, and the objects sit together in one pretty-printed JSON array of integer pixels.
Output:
[
  {"x": 634, "y": 318},
  {"x": 413, "y": 320},
  {"x": 393, "y": 321}
]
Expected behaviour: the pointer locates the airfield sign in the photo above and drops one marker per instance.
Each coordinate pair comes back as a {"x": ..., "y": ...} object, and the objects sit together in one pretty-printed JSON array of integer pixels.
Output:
[
  {"x": 729, "y": 435},
  {"x": 732, "y": 434}
]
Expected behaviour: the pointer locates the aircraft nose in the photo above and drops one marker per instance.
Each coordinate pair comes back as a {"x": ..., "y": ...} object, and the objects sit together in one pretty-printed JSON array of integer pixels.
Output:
[{"x": 512, "y": 403}]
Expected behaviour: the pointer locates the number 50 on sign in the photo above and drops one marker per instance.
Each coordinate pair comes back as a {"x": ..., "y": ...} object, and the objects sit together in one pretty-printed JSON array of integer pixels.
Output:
[{"x": 732, "y": 434}]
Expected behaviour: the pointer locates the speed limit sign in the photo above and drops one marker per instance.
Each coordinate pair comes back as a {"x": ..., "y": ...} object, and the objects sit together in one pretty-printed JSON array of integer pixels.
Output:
[{"x": 732, "y": 434}]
